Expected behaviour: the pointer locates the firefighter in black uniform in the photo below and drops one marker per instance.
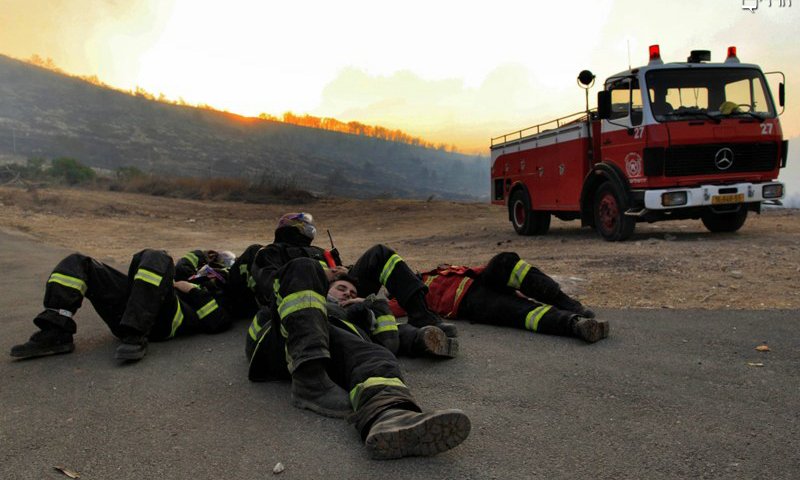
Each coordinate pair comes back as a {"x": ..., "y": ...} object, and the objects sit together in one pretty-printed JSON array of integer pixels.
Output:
[
  {"x": 374, "y": 315},
  {"x": 509, "y": 291},
  {"x": 294, "y": 336},
  {"x": 156, "y": 300}
]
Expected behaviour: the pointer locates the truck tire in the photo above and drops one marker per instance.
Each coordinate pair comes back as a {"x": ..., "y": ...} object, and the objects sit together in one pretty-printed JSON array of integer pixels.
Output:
[
  {"x": 525, "y": 220},
  {"x": 724, "y": 222},
  {"x": 610, "y": 220}
]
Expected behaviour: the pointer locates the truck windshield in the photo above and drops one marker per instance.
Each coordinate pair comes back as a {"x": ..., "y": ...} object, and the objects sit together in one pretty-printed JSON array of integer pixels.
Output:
[{"x": 715, "y": 93}]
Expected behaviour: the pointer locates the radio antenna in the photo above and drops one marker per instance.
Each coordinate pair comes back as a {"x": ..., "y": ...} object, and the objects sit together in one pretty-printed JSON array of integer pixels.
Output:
[{"x": 629, "y": 54}]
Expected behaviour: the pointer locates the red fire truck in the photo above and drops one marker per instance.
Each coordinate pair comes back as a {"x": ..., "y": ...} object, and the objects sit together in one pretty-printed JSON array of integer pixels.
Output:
[{"x": 667, "y": 141}]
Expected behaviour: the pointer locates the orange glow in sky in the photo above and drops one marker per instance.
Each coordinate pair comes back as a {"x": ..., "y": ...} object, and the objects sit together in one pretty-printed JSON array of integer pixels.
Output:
[{"x": 456, "y": 72}]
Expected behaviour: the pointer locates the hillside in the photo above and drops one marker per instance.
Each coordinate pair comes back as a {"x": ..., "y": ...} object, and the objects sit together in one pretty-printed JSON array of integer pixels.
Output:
[{"x": 46, "y": 114}]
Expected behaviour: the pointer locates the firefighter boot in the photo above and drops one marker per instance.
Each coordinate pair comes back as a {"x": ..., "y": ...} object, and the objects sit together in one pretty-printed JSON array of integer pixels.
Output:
[
  {"x": 44, "y": 342},
  {"x": 133, "y": 348},
  {"x": 589, "y": 329},
  {"x": 432, "y": 340},
  {"x": 563, "y": 301},
  {"x": 313, "y": 390},
  {"x": 420, "y": 316},
  {"x": 540, "y": 286},
  {"x": 404, "y": 433}
]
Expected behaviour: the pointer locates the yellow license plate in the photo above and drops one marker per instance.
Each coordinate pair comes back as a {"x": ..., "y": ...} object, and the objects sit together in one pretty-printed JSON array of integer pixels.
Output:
[{"x": 730, "y": 198}]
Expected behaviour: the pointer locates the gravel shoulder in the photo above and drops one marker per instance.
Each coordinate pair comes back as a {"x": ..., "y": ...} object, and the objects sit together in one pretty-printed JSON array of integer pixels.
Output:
[{"x": 665, "y": 265}]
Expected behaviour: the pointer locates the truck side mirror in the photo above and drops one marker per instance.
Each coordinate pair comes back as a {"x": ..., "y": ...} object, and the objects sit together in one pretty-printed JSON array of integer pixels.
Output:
[
  {"x": 781, "y": 94},
  {"x": 604, "y": 105}
]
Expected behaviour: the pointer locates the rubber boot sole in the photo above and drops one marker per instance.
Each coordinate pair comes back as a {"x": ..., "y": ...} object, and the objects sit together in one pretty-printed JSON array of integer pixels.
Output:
[
  {"x": 130, "y": 355},
  {"x": 44, "y": 351},
  {"x": 429, "y": 436},
  {"x": 592, "y": 330},
  {"x": 326, "y": 412},
  {"x": 439, "y": 344}
]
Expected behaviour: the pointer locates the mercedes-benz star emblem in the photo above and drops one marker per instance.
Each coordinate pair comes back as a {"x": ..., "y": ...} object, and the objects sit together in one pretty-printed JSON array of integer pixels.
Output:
[{"x": 724, "y": 158}]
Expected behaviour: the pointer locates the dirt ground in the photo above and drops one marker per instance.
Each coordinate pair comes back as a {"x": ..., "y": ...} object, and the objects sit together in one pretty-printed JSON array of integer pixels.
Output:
[{"x": 665, "y": 265}]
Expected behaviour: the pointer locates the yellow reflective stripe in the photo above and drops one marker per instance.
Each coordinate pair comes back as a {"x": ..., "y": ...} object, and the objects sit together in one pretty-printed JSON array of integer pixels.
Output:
[
  {"x": 207, "y": 309},
  {"x": 258, "y": 344},
  {"x": 350, "y": 326},
  {"x": 254, "y": 328},
  {"x": 299, "y": 301},
  {"x": 192, "y": 259},
  {"x": 148, "y": 276},
  {"x": 430, "y": 280},
  {"x": 276, "y": 287},
  {"x": 244, "y": 270},
  {"x": 518, "y": 274},
  {"x": 388, "y": 267},
  {"x": 385, "y": 323},
  {"x": 324, "y": 264},
  {"x": 532, "y": 320},
  {"x": 355, "y": 393},
  {"x": 177, "y": 320},
  {"x": 68, "y": 281},
  {"x": 460, "y": 289}
]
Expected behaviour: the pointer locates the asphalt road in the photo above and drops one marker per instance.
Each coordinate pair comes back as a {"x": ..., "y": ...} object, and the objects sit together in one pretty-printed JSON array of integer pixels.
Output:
[{"x": 671, "y": 394}]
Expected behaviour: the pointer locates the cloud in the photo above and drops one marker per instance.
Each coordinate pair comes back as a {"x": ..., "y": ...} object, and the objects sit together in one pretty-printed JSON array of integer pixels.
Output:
[{"x": 446, "y": 110}]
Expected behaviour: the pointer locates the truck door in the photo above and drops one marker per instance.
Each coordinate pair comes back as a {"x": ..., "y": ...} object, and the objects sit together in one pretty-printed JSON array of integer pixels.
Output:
[{"x": 622, "y": 136}]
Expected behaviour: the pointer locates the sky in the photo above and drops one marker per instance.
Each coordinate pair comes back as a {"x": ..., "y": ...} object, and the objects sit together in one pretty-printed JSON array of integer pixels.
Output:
[{"x": 454, "y": 72}]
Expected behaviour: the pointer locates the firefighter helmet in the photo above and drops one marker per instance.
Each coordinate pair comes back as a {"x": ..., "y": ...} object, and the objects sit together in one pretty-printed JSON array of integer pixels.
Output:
[{"x": 303, "y": 222}]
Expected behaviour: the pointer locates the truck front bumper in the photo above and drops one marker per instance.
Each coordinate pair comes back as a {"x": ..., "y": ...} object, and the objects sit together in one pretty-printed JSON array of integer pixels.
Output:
[{"x": 711, "y": 195}]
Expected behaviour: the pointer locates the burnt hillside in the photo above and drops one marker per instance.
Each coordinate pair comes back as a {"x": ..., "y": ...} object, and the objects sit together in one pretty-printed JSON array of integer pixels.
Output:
[{"x": 45, "y": 114}]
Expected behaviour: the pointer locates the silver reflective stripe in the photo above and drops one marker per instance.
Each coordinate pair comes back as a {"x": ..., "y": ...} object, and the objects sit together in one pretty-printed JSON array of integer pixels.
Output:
[
  {"x": 385, "y": 323},
  {"x": 299, "y": 301}
]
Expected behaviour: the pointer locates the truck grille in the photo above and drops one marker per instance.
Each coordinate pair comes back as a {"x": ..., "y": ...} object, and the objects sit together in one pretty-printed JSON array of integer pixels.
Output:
[{"x": 701, "y": 159}]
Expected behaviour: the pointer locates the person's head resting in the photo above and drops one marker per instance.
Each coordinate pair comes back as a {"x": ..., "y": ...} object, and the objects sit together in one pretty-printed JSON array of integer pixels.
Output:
[
  {"x": 343, "y": 287},
  {"x": 296, "y": 228}
]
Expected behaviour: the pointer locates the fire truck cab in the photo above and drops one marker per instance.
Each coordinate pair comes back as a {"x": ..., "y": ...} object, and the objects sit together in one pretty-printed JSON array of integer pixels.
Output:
[{"x": 667, "y": 141}]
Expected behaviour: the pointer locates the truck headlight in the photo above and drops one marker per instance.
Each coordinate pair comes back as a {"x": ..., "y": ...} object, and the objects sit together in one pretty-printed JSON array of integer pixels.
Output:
[
  {"x": 774, "y": 190},
  {"x": 673, "y": 199}
]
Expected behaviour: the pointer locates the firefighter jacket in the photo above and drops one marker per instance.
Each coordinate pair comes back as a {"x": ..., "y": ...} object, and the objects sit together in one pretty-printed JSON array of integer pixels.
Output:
[
  {"x": 373, "y": 316},
  {"x": 207, "y": 298},
  {"x": 268, "y": 260},
  {"x": 447, "y": 285}
]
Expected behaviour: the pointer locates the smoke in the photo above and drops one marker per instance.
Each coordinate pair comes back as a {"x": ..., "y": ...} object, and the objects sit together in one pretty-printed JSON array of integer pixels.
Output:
[{"x": 790, "y": 175}]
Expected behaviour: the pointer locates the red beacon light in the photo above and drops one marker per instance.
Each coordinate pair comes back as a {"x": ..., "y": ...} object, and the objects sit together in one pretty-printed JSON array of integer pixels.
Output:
[
  {"x": 732, "y": 58},
  {"x": 655, "y": 55}
]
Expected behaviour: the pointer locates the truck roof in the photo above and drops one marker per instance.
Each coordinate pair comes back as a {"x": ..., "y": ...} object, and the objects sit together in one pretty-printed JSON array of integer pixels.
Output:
[{"x": 679, "y": 65}]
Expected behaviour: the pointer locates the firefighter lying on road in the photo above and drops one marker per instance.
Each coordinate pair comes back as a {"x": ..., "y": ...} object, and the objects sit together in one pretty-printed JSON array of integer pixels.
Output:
[
  {"x": 510, "y": 292},
  {"x": 374, "y": 315},
  {"x": 294, "y": 336},
  {"x": 156, "y": 300}
]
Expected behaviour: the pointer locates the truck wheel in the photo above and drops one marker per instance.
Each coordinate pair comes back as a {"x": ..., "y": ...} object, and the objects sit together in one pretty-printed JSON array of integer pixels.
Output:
[
  {"x": 525, "y": 220},
  {"x": 725, "y": 222},
  {"x": 610, "y": 220}
]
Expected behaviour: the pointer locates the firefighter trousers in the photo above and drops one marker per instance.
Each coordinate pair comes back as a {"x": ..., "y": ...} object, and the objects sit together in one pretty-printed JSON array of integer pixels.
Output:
[
  {"x": 382, "y": 266},
  {"x": 483, "y": 304},
  {"x": 143, "y": 302},
  {"x": 296, "y": 329}
]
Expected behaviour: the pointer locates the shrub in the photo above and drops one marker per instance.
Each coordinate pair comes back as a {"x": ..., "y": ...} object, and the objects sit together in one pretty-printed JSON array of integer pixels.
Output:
[{"x": 71, "y": 171}]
